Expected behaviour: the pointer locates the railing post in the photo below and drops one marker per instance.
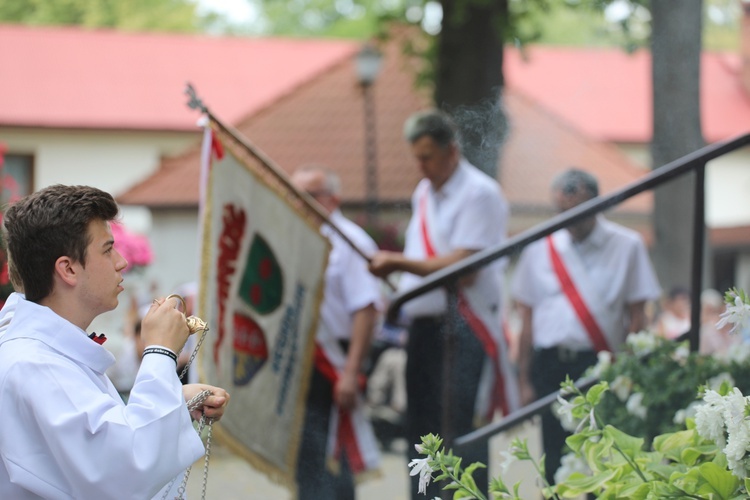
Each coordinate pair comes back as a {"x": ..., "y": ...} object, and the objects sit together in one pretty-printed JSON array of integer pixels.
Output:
[
  {"x": 699, "y": 230},
  {"x": 450, "y": 344}
]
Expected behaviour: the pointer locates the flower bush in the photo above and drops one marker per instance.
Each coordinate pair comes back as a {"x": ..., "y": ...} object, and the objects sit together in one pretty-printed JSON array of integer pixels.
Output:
[
  {"x": 706, "y": 460},
  {"x": 677, "y": 448},
  {"x": 654, "y": 381}
]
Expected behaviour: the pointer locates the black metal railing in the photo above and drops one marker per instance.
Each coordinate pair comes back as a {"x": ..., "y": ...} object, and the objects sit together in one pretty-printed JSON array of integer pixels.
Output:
[{"x": 447, "y": 277}]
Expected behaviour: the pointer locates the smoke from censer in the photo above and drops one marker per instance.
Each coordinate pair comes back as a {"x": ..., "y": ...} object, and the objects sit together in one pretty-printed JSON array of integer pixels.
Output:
[{"x": 482, "y": 129}]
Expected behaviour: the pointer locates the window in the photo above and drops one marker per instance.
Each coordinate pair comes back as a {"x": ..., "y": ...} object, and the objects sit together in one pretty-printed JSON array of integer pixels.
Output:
[{"x": 16, "y": 177}]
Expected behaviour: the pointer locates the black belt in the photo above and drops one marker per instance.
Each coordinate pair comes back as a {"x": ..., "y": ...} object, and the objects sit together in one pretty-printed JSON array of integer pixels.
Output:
[{"x": 565, "y": 354}]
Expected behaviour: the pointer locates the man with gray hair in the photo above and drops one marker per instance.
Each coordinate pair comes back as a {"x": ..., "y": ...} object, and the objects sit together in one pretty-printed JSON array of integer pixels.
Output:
[
  {"x": 457, "y": 210},
  {"x": 579, "y": 291},
  {"x": 338, "y": 442}
]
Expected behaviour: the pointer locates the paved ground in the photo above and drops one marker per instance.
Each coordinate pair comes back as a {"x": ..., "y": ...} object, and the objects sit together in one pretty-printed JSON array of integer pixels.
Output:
[{"x": 231, "y": 477}]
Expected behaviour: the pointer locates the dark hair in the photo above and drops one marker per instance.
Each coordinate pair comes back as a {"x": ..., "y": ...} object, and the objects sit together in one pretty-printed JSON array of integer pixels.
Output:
[
  {"x": 433, "y": 123},
  {"x": 51, "y": 223},
  {"x": 576, "y": 181}
]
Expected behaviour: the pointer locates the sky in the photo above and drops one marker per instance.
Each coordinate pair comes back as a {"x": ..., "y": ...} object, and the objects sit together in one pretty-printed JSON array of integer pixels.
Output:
[{"x": 238, "y": 11}]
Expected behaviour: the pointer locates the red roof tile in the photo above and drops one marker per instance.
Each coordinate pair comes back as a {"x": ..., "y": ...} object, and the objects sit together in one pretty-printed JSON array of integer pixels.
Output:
[
  {"x": 606, "y": 93},
  {"x": 322, "y": 122},
  {"x": 76, "y": 78}
]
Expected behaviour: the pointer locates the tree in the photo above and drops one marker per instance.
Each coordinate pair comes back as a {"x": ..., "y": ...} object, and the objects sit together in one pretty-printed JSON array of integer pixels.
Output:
[
  {"x": 675, "y": 49},
  {"x": 134, "y": 15},
  {"x": 469, "y": 75}
]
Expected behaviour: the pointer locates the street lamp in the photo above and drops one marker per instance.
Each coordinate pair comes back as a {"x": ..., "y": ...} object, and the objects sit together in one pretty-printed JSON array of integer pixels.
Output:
[{"x": 368, "y": 65}]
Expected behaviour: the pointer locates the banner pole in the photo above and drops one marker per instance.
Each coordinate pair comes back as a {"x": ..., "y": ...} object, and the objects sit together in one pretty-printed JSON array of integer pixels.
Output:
[{"x": 196, "y": 103}]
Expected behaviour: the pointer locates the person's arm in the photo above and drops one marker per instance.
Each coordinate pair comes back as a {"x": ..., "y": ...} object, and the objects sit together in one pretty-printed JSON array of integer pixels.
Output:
[
  {"x": 363, "y": 326},
  {"x": 525, "y": 351},
  {"x": 637, "y": 316},
  {"x": 384, "y": 263}
]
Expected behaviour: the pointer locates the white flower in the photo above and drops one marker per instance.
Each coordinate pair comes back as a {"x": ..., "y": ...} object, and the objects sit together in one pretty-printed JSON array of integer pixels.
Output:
[
  {"x": 564, "y": 411},
  {"x": 604, "y": 361},
  {"x": 709, "y": 418},
  {"x": 621, "y": 387},
  {"x": 591, "y": 420},
  {"x": 739, "y": 353},
  {"x": 738, "y": 314},
  {"x": 681, "y": 353},
  {"x": 422, "y": 467},
  {"x": 642, "y": 343},
  {"x": 570, "y": 463},
  {"x": 682, "y": 415},
  {"x": 714, "y": 383},
  {"x": 508, "y": 460},
  {"x": 635, "y": 407}
]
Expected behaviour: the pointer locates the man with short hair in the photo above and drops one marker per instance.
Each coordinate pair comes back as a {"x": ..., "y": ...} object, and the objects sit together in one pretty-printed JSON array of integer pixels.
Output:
[
  {"x": 579, "y": 291},
  {"x": 335, "y": 429},
  {"x": 457, "y": 210},
  {"x": 66, "y": 433}
]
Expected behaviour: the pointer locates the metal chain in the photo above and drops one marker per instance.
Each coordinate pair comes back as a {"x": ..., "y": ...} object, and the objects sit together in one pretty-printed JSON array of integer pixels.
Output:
[
  {"x": 195, "y": 403},
  {"x": 193, "y": 354}
]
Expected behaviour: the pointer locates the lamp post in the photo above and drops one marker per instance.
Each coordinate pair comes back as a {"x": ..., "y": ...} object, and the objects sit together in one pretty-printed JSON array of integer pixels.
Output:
[{"x": 368, "y": 64}]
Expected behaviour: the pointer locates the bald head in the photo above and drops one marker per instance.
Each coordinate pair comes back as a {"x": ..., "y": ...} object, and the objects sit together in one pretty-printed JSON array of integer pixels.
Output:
[{"x": 320, "y": 183}]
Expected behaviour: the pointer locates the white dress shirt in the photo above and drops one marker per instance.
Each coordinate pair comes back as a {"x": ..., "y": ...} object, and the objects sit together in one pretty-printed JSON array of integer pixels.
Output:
[
  {"x": 349, "y": 286},
  {"x": 469, "y": 212},
  {"x": 616, "y": 266},
  {"x": 66, "y": 434}
]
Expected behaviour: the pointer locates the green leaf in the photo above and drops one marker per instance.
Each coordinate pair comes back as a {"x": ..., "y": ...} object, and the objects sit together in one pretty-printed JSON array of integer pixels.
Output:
[
  {"x": 690, "y": 455},
  {"x": 576, "y": 441},
  {"x": 578, "y": 484},
  {"x": 718, "y": 481},
  {"x": 629, "y": 445},
  {"x": 674, "y": 442},
  {"x": 638, "y": 491},
  {"x": 594, "y": 395}
]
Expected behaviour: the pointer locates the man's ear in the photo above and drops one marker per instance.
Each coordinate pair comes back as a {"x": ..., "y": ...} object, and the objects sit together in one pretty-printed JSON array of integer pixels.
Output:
[{"x": 66, "y": 270}]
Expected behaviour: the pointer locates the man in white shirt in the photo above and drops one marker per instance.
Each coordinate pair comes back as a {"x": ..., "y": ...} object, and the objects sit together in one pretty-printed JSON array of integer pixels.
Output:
[
  {"x": 66, "y": 432},
  {"x": 457, "y": 210},
  {"x": 579, "y": 291},
  {"x": 335, "y": 428}
]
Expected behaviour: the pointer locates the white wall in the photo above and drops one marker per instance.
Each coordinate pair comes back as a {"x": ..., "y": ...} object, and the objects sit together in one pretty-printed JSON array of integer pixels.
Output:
[
  {"x": 174, "y": 240},
  {"x": 727, "y": 185},
  {"x": 728, "y": 190},
  {"x": 110, "y": 160}
]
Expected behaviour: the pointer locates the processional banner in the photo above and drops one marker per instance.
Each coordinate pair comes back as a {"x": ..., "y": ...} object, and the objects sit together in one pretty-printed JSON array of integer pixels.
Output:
[{"x": 262, "y": 269}]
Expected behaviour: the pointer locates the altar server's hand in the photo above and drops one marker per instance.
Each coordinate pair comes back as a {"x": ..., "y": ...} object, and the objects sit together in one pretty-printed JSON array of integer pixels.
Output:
[
  {"x": 213, "y": 406},
  {"x": 165, "y": 325}
]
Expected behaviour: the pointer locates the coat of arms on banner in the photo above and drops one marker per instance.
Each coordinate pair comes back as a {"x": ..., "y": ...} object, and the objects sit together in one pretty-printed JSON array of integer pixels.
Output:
[{"x": 263, "y": 264}]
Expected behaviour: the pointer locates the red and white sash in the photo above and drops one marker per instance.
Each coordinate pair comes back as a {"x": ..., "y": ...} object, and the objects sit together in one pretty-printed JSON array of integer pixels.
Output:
[
  {"x": 498, "y": 389},
  {"x": 349, "y": 432},
  {"x": 576, "y": 300}
]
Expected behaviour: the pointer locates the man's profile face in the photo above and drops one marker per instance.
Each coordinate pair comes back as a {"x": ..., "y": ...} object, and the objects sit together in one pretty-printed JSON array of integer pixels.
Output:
[
  {"x": 565, "y": 201},
  {"x": 101, "y": 278},
  {"x": 435, "y": 162}
]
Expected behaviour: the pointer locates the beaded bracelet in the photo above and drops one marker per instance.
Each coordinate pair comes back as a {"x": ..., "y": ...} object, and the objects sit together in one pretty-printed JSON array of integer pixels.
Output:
[{"x": 160, "y": 350}]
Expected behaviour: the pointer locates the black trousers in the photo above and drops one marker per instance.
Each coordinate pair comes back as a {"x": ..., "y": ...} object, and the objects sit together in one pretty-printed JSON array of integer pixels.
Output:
[
  {"x": 548, "y": 370},
  {"x": 314, "y": 480},
  {"x": 427, "y": 394}
]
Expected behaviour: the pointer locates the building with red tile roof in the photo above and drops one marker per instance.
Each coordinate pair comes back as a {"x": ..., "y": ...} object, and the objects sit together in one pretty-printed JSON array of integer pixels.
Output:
[{"x": 79, "y": 100}]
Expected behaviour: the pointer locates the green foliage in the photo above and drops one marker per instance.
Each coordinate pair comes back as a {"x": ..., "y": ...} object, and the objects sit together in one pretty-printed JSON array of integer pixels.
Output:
[
  {"x": 668, "y": 377},
  {"x": 135, "y": 15},
  {"x": 682, "y": 464}
]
